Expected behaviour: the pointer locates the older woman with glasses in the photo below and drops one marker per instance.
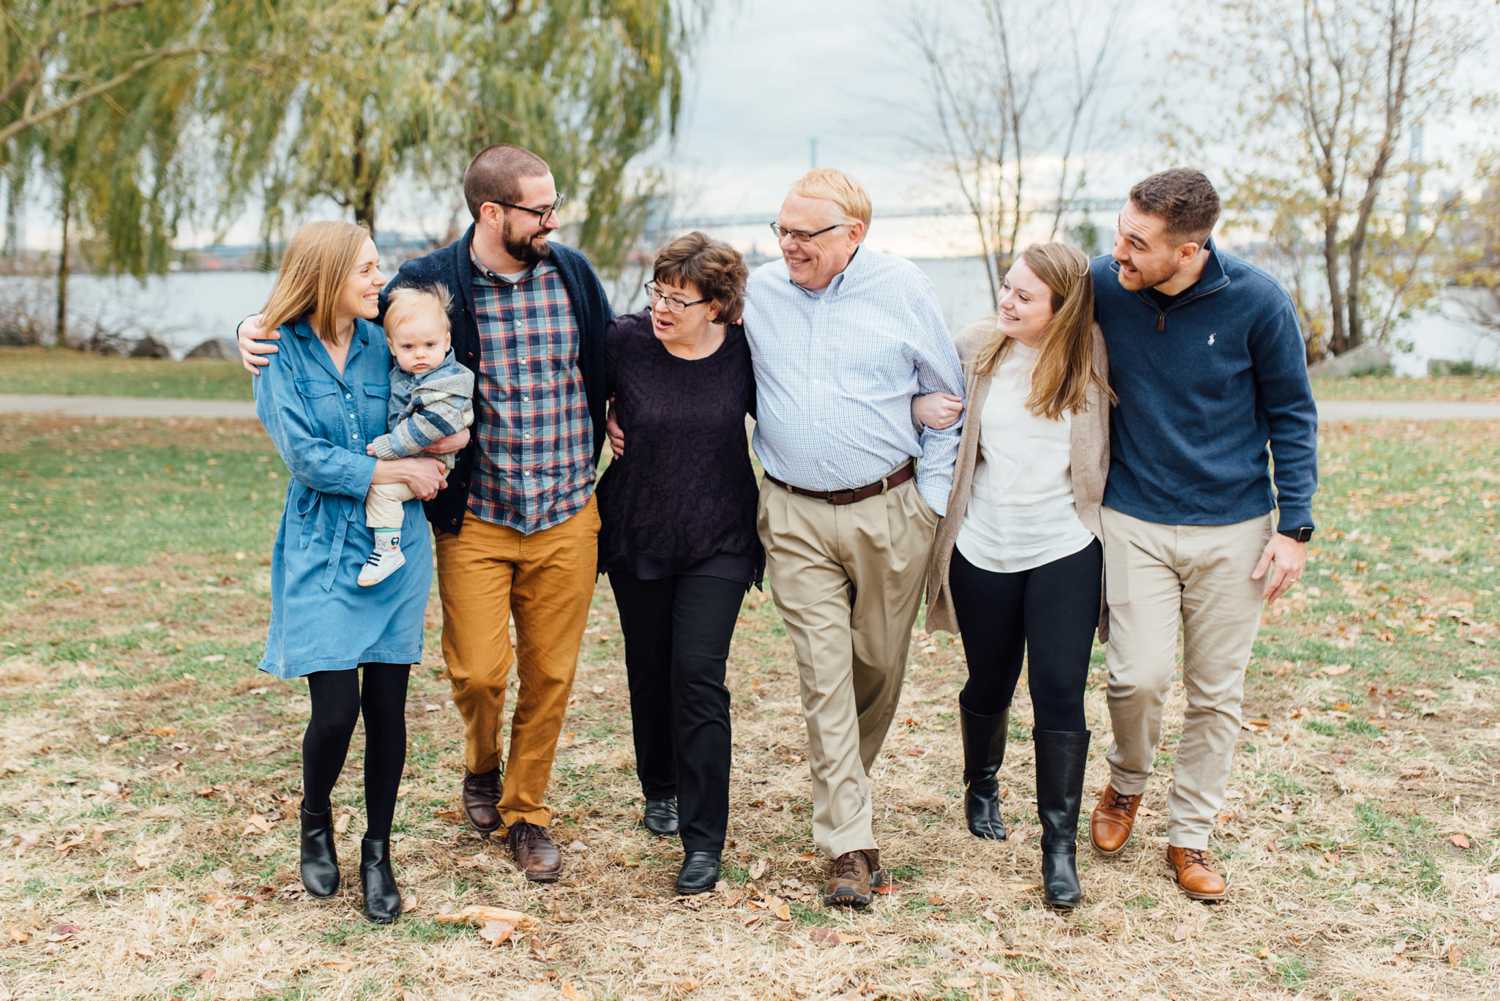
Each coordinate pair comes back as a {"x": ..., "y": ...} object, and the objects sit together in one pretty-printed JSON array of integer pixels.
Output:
[{"x": 678, "y": 538}]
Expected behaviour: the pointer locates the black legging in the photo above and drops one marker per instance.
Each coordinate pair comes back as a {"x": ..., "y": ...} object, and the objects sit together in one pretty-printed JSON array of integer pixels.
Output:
[
  {"x": 677, "y": 634},
  {"x": 1048, "y": 613},
  {"x": 337, "y": 699}
]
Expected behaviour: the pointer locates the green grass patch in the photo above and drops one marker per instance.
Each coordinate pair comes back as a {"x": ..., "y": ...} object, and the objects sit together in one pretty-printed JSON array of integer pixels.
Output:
[{"x": 63, "y": 372}]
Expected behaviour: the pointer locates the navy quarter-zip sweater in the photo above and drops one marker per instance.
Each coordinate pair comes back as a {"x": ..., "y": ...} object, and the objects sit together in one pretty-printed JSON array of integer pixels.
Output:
[
  {"x": 453, "y": 267},
  {"x": 1206, "y": 380}
]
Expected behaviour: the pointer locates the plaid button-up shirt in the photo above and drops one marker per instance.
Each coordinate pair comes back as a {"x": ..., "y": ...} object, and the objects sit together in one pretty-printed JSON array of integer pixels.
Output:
[{"x": 534, "y": 467}]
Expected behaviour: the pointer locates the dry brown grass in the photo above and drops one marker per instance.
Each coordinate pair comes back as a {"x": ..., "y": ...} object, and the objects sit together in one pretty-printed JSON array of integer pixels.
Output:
[{"x": 148, "y": 794}]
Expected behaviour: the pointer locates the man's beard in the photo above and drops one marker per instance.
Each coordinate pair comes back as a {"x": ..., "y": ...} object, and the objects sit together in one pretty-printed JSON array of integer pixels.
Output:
[{"x": 525, "y": 250}]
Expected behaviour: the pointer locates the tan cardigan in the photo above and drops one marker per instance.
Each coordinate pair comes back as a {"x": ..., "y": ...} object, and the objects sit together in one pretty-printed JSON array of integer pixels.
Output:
[{"x": 1089, "y": 458}]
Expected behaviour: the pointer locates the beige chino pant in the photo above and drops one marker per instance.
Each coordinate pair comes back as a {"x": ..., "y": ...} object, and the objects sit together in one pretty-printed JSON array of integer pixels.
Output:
[
  {"x": 1159, "y": 578},
  {"x": 383, "y": 504},
  {"x": 848, "y": 580}
]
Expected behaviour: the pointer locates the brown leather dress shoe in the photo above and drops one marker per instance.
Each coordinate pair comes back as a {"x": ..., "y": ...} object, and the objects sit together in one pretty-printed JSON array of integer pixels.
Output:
[
  {"x": 1194, "y": 873},
  {"x": 1112, "y": 821},
  {"x": 535, "y": 853},
  {"x": 481, "y": 794},
  {"x": 852, "y": 879}
]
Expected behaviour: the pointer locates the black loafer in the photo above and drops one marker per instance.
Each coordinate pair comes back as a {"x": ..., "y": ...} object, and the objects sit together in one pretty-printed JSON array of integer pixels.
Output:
[
  {"x": 699, "y": 873},
  {"x": 661, "y": 817}
]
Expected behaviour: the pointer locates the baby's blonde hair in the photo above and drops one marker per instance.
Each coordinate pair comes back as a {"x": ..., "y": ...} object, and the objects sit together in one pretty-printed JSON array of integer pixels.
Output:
[{"x": 409, "y": 298}]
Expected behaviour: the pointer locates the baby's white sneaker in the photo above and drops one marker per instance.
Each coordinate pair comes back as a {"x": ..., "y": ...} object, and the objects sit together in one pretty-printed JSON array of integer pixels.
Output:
[{"x": 383, "y": 561}]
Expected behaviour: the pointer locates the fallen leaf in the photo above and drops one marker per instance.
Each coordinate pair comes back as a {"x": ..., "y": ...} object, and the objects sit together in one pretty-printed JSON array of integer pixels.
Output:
[
  {"x": 265, "y": 947},
  {"x": 569, "y": 991},
  {"x": 449, "y": 814},
  {"x": 496, "y": 932},
  {"x": 961, "y": 983},
  {"x": 782, "y": 910},
  {"x": 214, "y": 658},
  {"x": 162, "y": 731},
  {"x": 341, "y": 826},
  {"x": 832, "y": 936},
  {"x": 20, "y": 936},
  {"x": 1258, "y": 725},
  {"x": 482, "y": 914},
  {"x": 1334, "y": 670},
  {"x": 1460, "y": 841},
  {"x": 758, "y": 868},
  {"x": 1455, "y": 955}
]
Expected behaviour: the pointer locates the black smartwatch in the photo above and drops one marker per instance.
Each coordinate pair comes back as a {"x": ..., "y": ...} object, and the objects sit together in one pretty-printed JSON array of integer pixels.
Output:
[{"x": 1301, "y": 533}]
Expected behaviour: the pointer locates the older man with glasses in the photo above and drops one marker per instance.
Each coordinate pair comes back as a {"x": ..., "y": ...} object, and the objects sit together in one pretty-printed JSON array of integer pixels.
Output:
[
  {"x": 517, "y": 526},
  {"x": 842, "y": 338}
]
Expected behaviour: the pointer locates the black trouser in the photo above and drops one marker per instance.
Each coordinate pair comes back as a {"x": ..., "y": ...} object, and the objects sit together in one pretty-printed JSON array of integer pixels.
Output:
[
  {"x": 337, "y": 700},
  {"x": 1049, "y": 614},
  {"x": 677, "y": 634}
]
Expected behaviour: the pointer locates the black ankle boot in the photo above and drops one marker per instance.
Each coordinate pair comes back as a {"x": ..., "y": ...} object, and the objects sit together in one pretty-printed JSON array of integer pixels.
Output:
[
  {"x": 1060, "y": 760},
  {"x": 382, "y": 899},
  {"x": 984, "y": 752},
  {"x": 699, "y": 872},
  {"x": 320, "y": 864}
]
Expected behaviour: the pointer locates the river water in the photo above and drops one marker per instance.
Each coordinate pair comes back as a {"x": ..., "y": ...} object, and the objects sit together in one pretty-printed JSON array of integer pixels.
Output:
[{"x": 184, "y": 309}]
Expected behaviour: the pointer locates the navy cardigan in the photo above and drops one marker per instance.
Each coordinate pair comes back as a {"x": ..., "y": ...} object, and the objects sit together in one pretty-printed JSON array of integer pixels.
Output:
[{"x": 452, "y": 267}]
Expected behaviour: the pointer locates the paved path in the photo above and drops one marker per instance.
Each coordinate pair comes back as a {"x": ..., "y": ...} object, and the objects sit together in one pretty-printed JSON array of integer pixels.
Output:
[{"x": 136, "y": 406}]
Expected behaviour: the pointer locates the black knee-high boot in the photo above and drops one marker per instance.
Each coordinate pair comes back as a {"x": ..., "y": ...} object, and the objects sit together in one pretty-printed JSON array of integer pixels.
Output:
[
  {"x": 984, "y": 752},
  {"x": 1060, "y": 761}
]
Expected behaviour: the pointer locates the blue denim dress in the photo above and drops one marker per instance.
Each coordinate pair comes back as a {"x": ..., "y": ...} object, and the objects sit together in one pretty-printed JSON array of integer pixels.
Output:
[{"x": 320, "y": 420}]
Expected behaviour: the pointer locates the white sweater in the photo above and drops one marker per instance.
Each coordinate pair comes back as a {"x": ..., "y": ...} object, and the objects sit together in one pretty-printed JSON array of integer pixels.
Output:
[{"x": 1021, "y": 514}]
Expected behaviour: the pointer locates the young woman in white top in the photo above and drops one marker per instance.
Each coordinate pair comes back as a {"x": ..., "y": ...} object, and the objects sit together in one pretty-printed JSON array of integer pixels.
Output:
[{"x": 1017, "y": 563}]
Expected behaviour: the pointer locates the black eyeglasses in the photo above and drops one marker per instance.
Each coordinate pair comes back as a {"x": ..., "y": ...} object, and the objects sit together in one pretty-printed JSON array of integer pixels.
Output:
[
  {"x": 541, "y": 214},
  {"x": 673, "y": 304},
  {"x": 802, "y": 236}
]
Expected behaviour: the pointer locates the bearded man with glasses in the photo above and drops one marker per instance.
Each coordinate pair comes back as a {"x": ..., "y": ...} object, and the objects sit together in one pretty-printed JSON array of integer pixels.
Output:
[
  {"x": 517, "y": 524},
  {"x": 843, "y": 337}
]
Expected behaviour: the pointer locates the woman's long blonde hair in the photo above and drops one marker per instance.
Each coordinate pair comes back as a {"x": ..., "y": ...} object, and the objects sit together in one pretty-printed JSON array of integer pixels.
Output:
[
  {"x": 1065, "y": 366},
  {"x": 313, "y": 270}
]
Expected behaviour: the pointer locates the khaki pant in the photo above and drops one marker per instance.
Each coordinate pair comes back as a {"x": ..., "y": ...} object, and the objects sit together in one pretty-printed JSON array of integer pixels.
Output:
[
  {"x": 848, "y": 580},
  {"x": 383, "y": 504},
  {"x": 487, "y": 573},
  {"x": 1158, "y": 578}
]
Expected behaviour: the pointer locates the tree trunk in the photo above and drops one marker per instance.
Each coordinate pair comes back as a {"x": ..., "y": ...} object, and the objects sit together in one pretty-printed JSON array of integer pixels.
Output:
[
  {"x": 1356, "y": 322},
  {"x": 61, "y": 325},
  {"x": 1338, "y": 339},
  {"x": 14, "y": 191},
  {"x": 364, "y": 207}
]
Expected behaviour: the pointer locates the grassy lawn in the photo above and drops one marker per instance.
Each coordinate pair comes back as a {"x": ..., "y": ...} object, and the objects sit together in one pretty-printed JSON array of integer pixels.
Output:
[
  {"x": 149, "y": 779},
  {"x": 1482, "y": 388},
  {"x": 77, "y": 373}
]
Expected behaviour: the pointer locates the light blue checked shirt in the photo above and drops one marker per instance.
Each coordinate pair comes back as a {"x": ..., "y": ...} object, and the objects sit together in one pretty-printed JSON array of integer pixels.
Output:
[{"x": 835, "y": 373}]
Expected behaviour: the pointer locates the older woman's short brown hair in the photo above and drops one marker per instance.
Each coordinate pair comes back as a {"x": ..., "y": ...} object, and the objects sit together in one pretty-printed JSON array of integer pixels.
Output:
[{"x": 714, "y": 267}]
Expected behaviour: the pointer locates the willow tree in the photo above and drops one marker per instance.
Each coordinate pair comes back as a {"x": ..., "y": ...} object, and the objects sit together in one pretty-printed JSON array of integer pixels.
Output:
[
  {"x": 389, "y": 92},
  {"x": 95, "y": 98}
]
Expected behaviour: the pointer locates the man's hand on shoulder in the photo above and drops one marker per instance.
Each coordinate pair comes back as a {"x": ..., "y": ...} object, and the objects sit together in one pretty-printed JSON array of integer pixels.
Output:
[
  {"x": 255, "y": 344},
  {"x": 1284, "y": 559}
]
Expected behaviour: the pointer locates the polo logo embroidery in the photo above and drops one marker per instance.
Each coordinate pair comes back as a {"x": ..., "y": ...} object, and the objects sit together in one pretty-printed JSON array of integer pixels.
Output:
[{"x": 1211, "y": 338}]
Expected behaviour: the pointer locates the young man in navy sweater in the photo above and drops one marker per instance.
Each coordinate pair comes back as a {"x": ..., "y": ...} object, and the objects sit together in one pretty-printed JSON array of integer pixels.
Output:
[{"x": 1208, "y": 362}]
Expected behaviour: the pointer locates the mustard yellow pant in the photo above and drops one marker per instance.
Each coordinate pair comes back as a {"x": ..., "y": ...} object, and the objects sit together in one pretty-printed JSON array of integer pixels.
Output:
[{"x": 487, "y": 574}]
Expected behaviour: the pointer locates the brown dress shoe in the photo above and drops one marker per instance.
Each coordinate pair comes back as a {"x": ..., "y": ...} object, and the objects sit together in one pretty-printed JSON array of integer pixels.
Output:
[
  {"x": 1112, "y": 821},
  {"x": 481, "y": 793},
  {"x": 535, "y": 853},
  {"x": 853, "y": 878},
  {"x": 1194, "y": 874}
]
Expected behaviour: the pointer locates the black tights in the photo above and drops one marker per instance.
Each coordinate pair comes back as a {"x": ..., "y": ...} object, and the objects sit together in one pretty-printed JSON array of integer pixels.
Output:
[
  {"x": 1049, "y": 614},
  {"x": 337, "y": 699}
]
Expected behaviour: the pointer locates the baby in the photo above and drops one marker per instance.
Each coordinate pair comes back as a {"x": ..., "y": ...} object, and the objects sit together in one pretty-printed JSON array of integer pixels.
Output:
[{"x": 432, "y": 397}]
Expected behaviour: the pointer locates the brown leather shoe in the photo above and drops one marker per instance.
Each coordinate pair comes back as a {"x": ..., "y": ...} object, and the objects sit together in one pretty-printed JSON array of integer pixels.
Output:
[
  {"x": 1194, "y": 873},
  {"x": 1112, "y": 821},
  {"x": 852, "y": 879},
  {"x": 481, "y": 793},
  {"x": 535, "y": 853}
]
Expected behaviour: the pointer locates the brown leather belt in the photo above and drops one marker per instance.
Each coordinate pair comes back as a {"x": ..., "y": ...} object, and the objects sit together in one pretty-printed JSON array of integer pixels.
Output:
[{"x": 857, "y": 494}]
